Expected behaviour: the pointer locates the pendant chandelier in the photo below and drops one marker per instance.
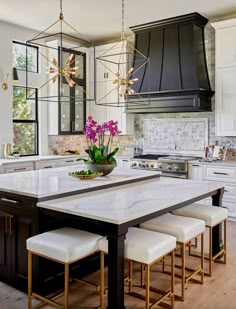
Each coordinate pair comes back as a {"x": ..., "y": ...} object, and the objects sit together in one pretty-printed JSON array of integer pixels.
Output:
[
  {"x": 62, "y": 51},
  {"x": 122, "y": 63}
]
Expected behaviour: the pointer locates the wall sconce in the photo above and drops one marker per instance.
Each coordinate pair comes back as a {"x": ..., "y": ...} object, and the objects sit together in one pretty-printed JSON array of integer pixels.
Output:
[{"x": 15, "y": 78}]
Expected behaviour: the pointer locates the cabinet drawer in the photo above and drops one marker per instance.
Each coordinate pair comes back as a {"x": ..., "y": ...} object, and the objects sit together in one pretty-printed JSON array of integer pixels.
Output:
[
  {"x": 45, "y": 164},
  {"x": 18, "y": 168},
  {"x": 69, "y": 161},
  {"x": 230, "y": 191},
  {"x": 219, "y": 173}
]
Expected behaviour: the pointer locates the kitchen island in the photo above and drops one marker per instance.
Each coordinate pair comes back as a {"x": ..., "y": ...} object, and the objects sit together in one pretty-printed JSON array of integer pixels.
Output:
[
  {"x": 110, "y": 210},
  {"x": 20, "y": 218}
]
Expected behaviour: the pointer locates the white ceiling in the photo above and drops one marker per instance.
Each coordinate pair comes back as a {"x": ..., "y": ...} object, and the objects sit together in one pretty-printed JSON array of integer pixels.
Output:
[{"x": 101, "y": 19}]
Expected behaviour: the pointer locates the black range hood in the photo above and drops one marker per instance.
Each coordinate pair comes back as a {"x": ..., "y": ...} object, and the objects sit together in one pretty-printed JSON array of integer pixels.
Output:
[{"x": 177, "y": 77}]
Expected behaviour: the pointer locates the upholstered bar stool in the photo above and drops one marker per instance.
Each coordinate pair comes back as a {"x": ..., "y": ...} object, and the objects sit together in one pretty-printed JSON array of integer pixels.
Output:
[
  {"x": 65, "y": 246},
  {"x": 184, "y": 229},
  {"x": 213, "y": 216},
  {"x": 148, "y": 248}
]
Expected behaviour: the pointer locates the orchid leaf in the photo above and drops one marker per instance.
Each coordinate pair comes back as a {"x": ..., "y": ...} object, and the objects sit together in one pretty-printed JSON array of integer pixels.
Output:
[{"x": 112, "y": 154}]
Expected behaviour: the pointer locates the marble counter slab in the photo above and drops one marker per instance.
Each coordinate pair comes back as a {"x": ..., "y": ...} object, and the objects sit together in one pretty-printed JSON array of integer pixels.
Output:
[
  {"x": 56, "y": 181},
  {"x": 35, "y": 159},
  {"x": 119, "y": 205}
]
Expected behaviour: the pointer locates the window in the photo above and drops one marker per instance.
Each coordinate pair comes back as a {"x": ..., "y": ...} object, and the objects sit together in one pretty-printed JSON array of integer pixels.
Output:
[
  {"x": 20, "y": 50},
  {"x": 25, "y": 121}
]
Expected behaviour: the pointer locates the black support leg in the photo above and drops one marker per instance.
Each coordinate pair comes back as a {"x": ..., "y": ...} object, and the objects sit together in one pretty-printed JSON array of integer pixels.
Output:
[
  {"x": 116, "y": 272},
  {"x": 217, "y": 233}
]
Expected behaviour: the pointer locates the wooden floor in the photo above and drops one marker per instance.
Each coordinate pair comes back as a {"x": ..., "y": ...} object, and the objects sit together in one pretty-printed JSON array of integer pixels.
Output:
[{"x": 218, "y": 292}]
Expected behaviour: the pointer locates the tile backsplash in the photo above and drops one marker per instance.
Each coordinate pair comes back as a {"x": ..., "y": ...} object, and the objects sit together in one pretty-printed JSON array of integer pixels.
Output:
[{"x": 175, "y": 135}]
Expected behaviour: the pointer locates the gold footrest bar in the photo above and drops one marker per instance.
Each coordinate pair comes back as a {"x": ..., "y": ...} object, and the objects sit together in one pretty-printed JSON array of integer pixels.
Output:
[
  {"x": 190, "y": 277},
  {"x": 46, "y": 301},
  {"x": 93, "y": 285}
]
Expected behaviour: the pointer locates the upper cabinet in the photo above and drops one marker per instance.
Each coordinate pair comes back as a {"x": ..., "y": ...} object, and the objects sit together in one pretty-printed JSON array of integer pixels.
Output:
[
  {"x": 225, "y": 38},
  {"x": 225, "y": 76},
  {"x": 105, "y": 90}
]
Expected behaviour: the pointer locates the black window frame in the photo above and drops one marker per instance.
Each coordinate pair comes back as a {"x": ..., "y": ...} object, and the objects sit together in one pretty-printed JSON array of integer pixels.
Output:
[
  {"x": 37, "y": 56},
  {"x": 33, "y": 121}
]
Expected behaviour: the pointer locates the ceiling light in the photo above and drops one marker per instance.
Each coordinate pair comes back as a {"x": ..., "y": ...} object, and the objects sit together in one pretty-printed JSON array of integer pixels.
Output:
[
  {"x": 122, "y": 63},
  {"x": 62, "y": 51}
]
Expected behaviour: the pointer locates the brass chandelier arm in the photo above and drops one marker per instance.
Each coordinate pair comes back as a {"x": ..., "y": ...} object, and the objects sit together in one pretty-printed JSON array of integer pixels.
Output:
[
  {"x": 52, "y": 78},
  {"x": 46, "y": 58},
  {"x": 80, "y": 34},
  {"x": 107, "y": 68},
  {"x": 52, "y": 25},
  {"x": 129, "y": 74},
  {"x": 115, "y": 88}
]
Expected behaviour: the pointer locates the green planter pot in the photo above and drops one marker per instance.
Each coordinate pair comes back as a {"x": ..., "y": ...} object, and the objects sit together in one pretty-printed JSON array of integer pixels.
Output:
[{"x": 101, "y": 168}]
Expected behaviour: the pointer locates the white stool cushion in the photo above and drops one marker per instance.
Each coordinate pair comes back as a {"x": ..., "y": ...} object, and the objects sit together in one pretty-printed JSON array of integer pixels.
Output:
[
  {"x": 212, "y": 215},
  {"x": 182, "y": 228},
  {"x": 143, "y": 246},
  {"x": 64, "y": 244}
]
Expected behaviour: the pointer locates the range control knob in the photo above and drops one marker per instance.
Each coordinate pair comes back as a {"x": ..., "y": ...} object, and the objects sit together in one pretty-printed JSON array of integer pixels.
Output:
[
  {"x": 147, "y": 165},
  {"x": 143, "y": 165},
  {"x": 169, "y": 167},
  {"x": 152, "y": 165},
  {"x": 135, "y": 164},
  {"x": 139, "y": 164}
]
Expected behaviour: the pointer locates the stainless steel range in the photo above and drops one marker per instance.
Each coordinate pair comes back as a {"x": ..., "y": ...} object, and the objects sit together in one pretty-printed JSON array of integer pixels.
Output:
[{"x": 170, "y": 166}]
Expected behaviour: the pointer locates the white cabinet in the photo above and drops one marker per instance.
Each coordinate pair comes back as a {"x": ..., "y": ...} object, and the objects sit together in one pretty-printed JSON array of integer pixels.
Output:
[
  {"x": 69, "y": 161},
  {"x": 195, "y": 171},
  {"x": 225, "y": 38},
  {"x": 17, "y": 167},
  {"x": 226, "y": 102},
  {"x": 123, "y": 163},
  {"x": 45, "y": 164},
  {"x": 225, "y": 174},
  {"x": 225, "y": 77},
  {"x": 105, "y": 90}
]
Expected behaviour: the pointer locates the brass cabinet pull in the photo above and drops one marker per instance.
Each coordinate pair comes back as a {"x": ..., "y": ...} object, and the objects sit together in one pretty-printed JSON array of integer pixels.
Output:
[{"x": 3, "y": 199}]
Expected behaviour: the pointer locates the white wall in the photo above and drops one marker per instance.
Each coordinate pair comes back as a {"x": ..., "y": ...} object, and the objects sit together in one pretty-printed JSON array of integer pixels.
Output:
[{"x": 8, "y": 33}]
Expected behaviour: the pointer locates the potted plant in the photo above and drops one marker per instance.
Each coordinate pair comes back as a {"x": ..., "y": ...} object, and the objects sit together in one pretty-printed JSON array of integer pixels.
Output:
[{"x": 101, "y": 156}]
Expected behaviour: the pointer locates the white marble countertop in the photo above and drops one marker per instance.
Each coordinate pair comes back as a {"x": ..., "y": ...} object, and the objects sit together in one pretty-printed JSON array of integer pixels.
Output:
[
  {"x": 215, "y": 162},
  {"x": 36, "y": 158},
  {"x": 119, "y": 205},
  {"x": 49, "y": 182}
]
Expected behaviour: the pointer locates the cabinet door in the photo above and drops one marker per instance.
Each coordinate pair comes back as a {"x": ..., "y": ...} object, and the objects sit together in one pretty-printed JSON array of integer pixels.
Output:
[
  {"x": 5, "y": 258},
  {"x": 225, "y": 102},
  {"x": 21, "y": 228},
  {"x": 195, "y": 172},
  {"x": 225, "y": 47}
]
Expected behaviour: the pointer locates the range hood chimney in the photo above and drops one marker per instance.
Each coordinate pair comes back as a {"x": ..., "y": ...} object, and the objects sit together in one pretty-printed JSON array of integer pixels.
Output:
[{"x": 177, "y": 72}]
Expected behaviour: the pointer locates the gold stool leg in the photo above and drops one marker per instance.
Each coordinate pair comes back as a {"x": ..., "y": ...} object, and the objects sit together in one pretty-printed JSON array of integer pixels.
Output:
[
  {"x": 147, "y": 286},
  {"x": 66, "y": 286},
  {"x": 130, "y": 276},
  {"x": 172, "y": 279},
  {"x": 102, "y": 284},
  {"x": 210, "y": 251},
  {"x": 163, "y": 264},
  {"x": 225, "y": 239},
  {"x": 29, "y": 280},
  {"x": 183, "y": 272},
  {"x": 142, "y": 275},
  {"x": 202, "y": 258}
]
